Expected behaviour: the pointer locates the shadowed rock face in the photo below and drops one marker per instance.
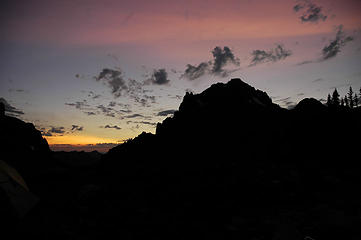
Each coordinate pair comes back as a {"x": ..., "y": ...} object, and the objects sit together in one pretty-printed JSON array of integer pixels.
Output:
[
  {"x": 230, "y": 163},
  {"x": 22, "y": 146}
]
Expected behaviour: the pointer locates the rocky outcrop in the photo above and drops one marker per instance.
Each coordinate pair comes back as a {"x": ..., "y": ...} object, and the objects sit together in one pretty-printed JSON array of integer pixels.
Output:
[
  {"x": 231, "y": 164},
  {"x": 22, "y": 145}
]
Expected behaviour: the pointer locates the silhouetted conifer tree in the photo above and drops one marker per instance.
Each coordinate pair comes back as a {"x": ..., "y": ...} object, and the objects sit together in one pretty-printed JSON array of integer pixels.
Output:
[
  {"x": 342, "y": 102},
  {"x": 346, "y": 101},
  {"x": 329, "y": 100},
  {"x": 335, "y": 98},
  {"x": 350, "y": 97},
  {"x": 356, "y": 100}
]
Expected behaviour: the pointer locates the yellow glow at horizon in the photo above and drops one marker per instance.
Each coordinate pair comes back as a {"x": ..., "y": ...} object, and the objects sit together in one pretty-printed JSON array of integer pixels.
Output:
[{"x": 69, "y": 139}]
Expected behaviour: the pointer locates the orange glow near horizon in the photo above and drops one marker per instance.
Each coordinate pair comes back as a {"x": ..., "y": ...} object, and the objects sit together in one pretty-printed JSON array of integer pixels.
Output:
[
  {"x": 78, "y": 140},
  {"x": 81, "y": 143}
]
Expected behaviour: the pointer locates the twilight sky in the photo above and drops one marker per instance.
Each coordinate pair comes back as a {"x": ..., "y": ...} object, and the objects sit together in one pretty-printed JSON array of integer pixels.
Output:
[{"x": 91, "y": 73}]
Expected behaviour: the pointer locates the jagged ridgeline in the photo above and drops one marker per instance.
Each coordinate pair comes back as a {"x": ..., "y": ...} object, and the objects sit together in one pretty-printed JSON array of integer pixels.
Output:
[{"x": 232, "y": 163}]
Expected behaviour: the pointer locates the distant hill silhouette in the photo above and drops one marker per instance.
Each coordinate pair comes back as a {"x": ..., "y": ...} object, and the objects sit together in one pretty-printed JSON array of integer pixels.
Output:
[{"x": 229, "y": 164}]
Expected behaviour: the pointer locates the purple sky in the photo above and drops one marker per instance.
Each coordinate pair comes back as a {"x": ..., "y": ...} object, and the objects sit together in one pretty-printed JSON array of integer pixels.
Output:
[{"x": 90, "y": 72}]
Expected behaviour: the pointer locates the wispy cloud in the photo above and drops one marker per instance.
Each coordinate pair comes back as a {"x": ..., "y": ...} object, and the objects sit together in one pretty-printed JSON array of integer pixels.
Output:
[
  {"x": 286, "y": 102},
  {"x": 221, "y": 58},
  {"x": 114, "y": 79},
  {"x": 335, "y": 45},
  {"x": 110, "y": 126},
  {"x": 318, "y": 80},
  {"x": 273, "y": 55},
  {"x": 59, "y": 130},
  {"x": 79, "y": 105},
  {"x": 310, "y": 12},
  {"x": 194, "y": 72},
  {"x": 76, "y": 128},
  {"x": 166, "y": 112},
  {"x": 107, "y": 111}
]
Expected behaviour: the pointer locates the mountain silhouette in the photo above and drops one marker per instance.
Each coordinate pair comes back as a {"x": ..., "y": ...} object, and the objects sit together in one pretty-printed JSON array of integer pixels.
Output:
[
  {"x": 232, "y": 164},
  {"x": 229, "y": 164},
  {"x": 22, "y": 145}
]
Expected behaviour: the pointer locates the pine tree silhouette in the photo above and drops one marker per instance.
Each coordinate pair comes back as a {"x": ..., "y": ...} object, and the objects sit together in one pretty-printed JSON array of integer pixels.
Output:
[
  {"x": 350, "y": 97},
  {"x": 335, "y": 98},
  {"x": 329, "y": 100},
  {"x": 356, "y": 100},
  {"x": 346, "y": 101}
]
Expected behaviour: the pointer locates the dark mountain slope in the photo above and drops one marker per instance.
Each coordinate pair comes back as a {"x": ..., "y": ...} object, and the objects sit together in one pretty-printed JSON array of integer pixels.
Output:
[
  {"x": 230, "y": 163},
  {"x": 22, "y": 146}
]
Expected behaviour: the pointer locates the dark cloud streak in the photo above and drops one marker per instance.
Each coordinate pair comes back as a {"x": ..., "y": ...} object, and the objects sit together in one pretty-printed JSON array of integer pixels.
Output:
[
  {"x": 310, "y": 12},
  {"x": 76, "y": 128},
  {"x": 166, "y": 112},
  {"x": 273, "y": 55},
  {"x": 159, "y": 77},
  {"x": 194, "y": 72},
  {"x": 114, "y": 79},
  {"x": 114, "y": 127},
  {"x": 334, "y": 47},
  {"x": 221, "y": 57}
]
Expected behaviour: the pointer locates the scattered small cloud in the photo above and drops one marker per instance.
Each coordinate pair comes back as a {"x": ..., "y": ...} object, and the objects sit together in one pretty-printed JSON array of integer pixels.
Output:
[
  {"x": 310, "y": 12},
  {"x": 159, "y": 77},
  {"x": 305, "y": 62},
  {"x": 334, "y": 46},
  {"x": 148, "y": 123},
  {"x": 76, "y": 128},
  {"x": 46, "y": 133},
  {"x": 59, "y": 130},
  {"x": 79, "y": 105},
  {"x": 90, "y": 113},
  {"x": 113, "y": 79},
  {"x": 166, "y": 112},
  {"x": 107, "y": 111},
  {"x": 135, "y": 115},
  {"x": 109, "y": 126},
  {"x": 93, "y": 95},
  {"x": 195, "y": 72},
  {"x": 142, "y": 122},
  {"x": 276, "y": 54},
  {"x": 145, "y": 100},
  {"x": 221, "y": 58}
]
